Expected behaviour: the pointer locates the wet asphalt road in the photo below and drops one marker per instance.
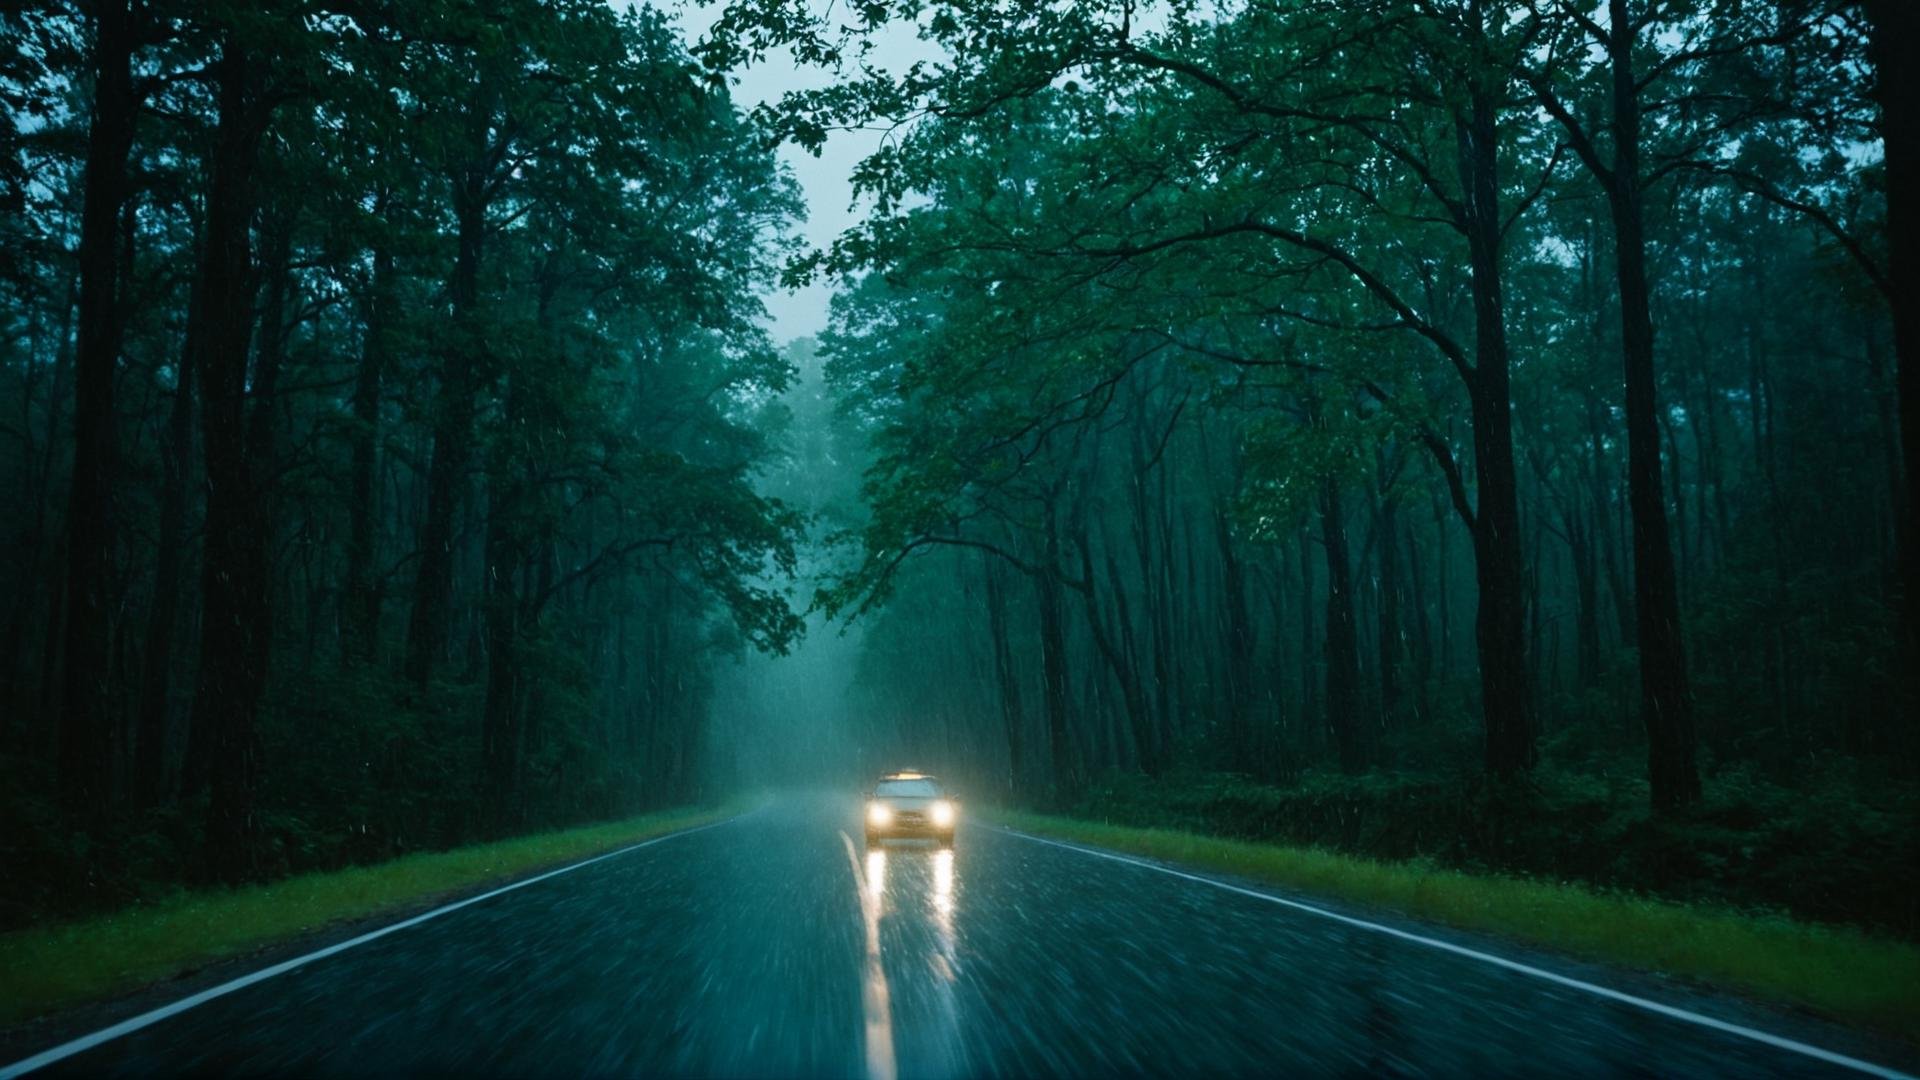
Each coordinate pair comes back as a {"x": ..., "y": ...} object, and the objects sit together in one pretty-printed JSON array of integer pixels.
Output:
[{"x": 749, "y": 949}]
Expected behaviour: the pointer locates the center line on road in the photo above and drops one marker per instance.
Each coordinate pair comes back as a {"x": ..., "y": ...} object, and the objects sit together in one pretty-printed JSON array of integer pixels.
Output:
[
  {"x": 1778, "y": 1042},
  {"x": 147, "y": 1019},
  {"x": 873, "y": 986}
]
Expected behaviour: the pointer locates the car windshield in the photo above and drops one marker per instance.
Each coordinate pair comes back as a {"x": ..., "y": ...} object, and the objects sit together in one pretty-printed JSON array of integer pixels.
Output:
[{"x": 911, "y": 789}]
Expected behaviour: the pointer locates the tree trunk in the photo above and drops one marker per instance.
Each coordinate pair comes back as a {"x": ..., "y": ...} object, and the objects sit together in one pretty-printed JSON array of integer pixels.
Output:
[
  {"x": 506, "y": 555},
  {"x": 360, "y": 614},
  {"x": 1580, "y": 542},
  {"x": 1665, "y": 703},
  {"x": 269, "y": 353},
  {"x": 431, "y": 618},
  {"x": 1053, "y": 661},
  {"x": 1386, "y": 527},
  {"x": 1149, "y": 754},
  {"x": 163, "y": 617},
  {"x": 1309, "y": 637},
  {"x": 1895, "y": 25},
  {"x": 1506, "y": 695},
  {"x": 500, "y": 720},
  {"x": 89, "y": 697},
  {"x": 1421, "y": 642},
  {"x": 1273, "y": 761},
  {"x": 1192, "y": 640},
  {"x": 1120, "y": 661},
  {"x": 1006, "y": 676},
  {"x": 236, "y": 634},
  {"x": 1603, "y": 531},
  {"x": 1238, "y": 650},
  {"x": 1343, "y": 647},
  {"x": 1881, "y": 387},
  {"x": 1153, "y": 599},
  {"x": 35, "y": 575},
  {"x": 1683, "y": 561}
]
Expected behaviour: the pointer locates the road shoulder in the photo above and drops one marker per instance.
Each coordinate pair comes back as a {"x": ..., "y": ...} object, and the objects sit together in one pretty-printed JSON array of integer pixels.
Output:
[
  {"x": 57, "y": 986},
  {"x": 1475, "y": 914}
]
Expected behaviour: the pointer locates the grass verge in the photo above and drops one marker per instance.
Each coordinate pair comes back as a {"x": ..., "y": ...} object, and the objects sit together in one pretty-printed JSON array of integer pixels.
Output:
[
  {"x": 46, "y": 968},
  {"x": 1851, "y": 976}
]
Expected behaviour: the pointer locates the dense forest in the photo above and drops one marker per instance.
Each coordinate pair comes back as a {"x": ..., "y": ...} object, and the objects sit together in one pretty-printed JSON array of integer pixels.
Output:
[
  {"x": 384, "y": 387},
  {"x": 1463, "y": 430},
  {"x": 1445, "y": 428}
]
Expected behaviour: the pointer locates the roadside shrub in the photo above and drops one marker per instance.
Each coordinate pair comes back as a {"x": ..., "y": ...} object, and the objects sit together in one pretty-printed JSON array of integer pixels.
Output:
[{"x": 1839, "y": 851}]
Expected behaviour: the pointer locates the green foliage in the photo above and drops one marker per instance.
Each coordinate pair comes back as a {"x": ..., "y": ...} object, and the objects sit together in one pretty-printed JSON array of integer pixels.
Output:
[
  {"x": 359, "y": 768},
  {"x": 1832, "y": 849},
  {"x": 1158, "y": 315},
  {"x": 524, "y": 241}
]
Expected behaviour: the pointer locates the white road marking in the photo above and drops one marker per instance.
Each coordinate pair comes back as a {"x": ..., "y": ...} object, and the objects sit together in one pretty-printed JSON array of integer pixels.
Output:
[
  {"x": 1686, "y": 1015},
  {"x": 873, "y": 996},
  {"x": 146, "y": 1019}
]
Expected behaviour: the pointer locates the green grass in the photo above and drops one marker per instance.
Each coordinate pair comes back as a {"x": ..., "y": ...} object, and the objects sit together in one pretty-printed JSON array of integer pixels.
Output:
[
  {"x": 1854, "y": 977},
  {"x": 47, "y": 968}
]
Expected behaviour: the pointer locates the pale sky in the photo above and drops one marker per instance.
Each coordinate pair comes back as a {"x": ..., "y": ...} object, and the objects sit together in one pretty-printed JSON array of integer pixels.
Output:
[{"x": 823, "y": 180}]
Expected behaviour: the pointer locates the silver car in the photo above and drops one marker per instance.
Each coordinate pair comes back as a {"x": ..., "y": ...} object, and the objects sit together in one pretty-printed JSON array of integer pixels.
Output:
[{"x": 910, "y": 805}]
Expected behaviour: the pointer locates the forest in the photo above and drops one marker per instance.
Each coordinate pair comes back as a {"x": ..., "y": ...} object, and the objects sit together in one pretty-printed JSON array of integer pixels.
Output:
[
  {"x": 385, "y": 388},
  {"x": 1464, "y": 430}
]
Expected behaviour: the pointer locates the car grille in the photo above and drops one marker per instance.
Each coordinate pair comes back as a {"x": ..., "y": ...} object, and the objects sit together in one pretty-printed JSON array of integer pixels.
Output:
[{"x": 911, "y": 819}]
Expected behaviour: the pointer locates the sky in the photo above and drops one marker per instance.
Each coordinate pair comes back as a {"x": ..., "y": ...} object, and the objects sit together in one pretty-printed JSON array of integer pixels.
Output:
[{"x": 823, "y": 179}]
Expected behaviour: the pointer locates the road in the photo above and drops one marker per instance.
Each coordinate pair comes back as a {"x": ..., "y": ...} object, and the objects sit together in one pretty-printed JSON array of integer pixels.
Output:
[{"x": 770, "y": 946}]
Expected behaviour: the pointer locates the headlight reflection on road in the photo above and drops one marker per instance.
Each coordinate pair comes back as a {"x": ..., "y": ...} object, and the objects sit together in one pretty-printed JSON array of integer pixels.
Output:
[
  {"x": 945, "y": 959},
  {"x": 942, "y": 1047},
  {"x": 944, "y": 965},
  {"x": 943, "y": 888}
]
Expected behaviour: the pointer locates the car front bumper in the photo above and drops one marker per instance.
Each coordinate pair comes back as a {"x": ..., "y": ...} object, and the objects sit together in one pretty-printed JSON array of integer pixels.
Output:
[{"x": 915, "y": 829}]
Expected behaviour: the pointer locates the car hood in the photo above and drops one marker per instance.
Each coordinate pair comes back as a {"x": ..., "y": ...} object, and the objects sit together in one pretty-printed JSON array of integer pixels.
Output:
[{"x": 907, "y": 802}]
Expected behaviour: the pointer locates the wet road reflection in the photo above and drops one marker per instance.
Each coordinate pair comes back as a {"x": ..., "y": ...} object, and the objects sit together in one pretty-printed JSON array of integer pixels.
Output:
[
  {"x": 776, "y": 946},
  {"x": 915, "y": 887},
  {"x": 1000, "y": 956},
  {"x": 944, "y": 959},
  {"x": 945, "y": 963}
]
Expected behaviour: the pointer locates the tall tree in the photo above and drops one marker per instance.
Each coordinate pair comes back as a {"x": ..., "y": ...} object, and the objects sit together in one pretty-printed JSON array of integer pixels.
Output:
[
  {"x": 1893, "y": 25},
  {"x": 90, "y": 700},
  {"x": 236, "y": 629},
  {"x": 1666, "y": 703}
]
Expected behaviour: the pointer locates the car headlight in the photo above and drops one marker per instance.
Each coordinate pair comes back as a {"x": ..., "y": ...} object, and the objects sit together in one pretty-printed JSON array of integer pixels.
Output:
[
  {"x": 879, "y": 814},
  {"x": 943, "y": 813}
]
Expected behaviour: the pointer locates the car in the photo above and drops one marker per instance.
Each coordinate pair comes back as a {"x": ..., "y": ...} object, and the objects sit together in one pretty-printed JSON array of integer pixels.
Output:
[{"x": 910, "y": 805}]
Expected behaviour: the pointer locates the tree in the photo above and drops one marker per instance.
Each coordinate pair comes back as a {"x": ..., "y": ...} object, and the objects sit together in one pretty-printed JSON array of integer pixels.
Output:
[
  {"x": 236, "y": 625},
  {"x": 1666, "y": 700},
  {"x": 90, "y": 700}
]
